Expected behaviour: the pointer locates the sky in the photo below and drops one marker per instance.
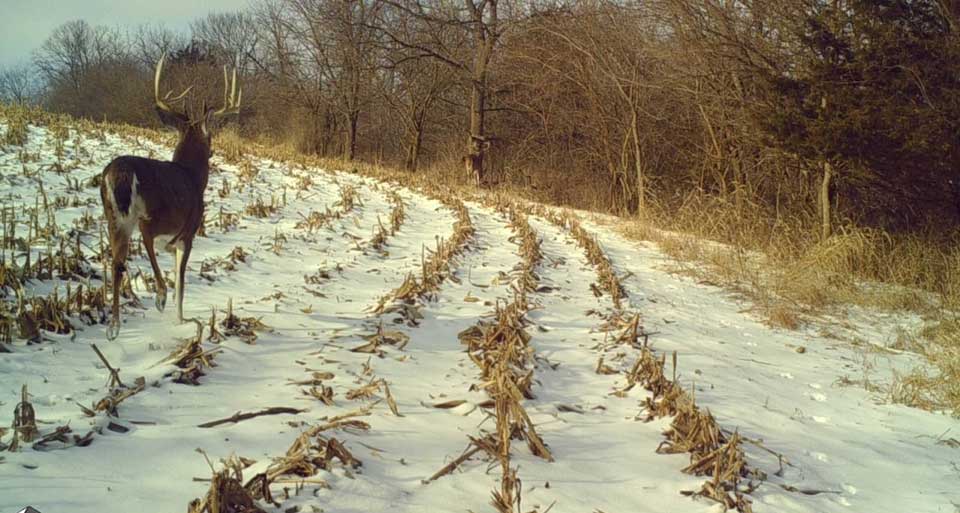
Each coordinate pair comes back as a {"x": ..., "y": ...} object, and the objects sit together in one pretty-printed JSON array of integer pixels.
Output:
[{"x": 25, "y": 24}]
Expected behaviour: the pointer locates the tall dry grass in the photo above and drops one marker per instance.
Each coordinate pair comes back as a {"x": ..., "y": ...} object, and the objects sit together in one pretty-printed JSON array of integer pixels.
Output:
[{"x": 793, "y": 277}]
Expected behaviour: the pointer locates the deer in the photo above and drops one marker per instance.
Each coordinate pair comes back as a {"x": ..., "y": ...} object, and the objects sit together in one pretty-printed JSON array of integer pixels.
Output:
[{"x": 163, "y": 199}]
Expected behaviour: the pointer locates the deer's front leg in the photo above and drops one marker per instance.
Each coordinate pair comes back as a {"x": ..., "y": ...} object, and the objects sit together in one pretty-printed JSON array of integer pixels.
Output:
[
  {"x": 183, "y": 255},
  {"x": 161, "y": 299},
  {"x": 148, "y": 242}
]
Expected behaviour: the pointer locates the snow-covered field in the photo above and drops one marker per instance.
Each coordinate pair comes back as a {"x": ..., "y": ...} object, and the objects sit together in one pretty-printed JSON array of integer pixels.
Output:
[{"x": 824, "y": 446}]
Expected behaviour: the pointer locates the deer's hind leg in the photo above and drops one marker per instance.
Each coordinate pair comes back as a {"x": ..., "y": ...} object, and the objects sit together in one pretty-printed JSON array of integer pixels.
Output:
[
  {"x": 119, "y": 250},
  {"x": 148, "y": 243},
  {"x": 118, "y": 193}
]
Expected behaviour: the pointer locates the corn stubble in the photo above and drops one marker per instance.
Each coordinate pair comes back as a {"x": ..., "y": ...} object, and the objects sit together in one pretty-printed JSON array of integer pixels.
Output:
[
  {"x": 692, "y": 431},
  {"x": 62, "y": 259},
  {"x": 501, "y": 350},
  {"x": 434, "y": 269},
  {"x": 310, "y": 454}
]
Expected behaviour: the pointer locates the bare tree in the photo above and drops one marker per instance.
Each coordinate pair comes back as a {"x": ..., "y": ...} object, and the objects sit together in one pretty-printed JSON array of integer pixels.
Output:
[
  {"x": 232, "y": 34},
  {"x": 73, "y": 49},
  {"x": 18, "y": 85},
  {"x": 443, "y": 27},
  {"x": 149, "y": 42},
  {"x": 76, "y": 62},
  {"x": 321, "y": 53},
  {"x": 412, "y": 86}
]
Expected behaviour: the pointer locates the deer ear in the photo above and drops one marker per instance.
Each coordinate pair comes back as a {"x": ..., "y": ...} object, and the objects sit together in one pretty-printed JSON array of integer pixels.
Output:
[{"x": 172, "y": 119}]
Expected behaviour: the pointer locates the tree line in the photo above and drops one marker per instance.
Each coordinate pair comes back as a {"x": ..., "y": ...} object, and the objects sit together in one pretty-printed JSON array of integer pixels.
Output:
[{"x": 817, "y": 112}]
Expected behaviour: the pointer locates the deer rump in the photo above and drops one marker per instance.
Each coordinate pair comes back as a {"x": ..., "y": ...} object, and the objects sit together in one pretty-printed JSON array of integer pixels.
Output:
[{"x": 160, "y": 194}]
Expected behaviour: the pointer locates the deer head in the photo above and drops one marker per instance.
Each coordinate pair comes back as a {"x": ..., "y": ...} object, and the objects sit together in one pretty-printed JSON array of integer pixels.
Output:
[{"x": 194, "y": 145}]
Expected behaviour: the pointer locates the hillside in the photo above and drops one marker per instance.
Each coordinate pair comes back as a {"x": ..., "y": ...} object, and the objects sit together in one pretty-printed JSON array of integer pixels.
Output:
[{"x": 399, "y": 328}]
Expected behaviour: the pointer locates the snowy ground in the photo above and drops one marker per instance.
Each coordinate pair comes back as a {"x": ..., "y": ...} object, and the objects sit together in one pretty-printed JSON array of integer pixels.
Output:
[{"x": 848, "y": 450}]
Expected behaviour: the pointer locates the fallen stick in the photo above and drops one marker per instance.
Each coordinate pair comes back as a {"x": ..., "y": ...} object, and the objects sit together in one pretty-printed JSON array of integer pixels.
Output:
[
  {"x": 450, "y": 467},
  {"x": 114, "y": 373},
  {"x": 237, "y": 417}
]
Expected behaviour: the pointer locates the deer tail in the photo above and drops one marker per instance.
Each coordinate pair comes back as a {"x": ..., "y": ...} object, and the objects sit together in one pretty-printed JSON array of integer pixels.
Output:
[{"x": 122, "y": 192}]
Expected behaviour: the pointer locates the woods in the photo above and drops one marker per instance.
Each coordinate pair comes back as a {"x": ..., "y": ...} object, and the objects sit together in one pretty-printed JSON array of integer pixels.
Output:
[{"x": 808, "y": 115}]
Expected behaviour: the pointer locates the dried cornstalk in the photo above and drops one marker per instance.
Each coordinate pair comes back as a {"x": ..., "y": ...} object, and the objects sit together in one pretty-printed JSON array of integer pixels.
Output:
[
  {"x": 117, "y": 395},
  {"x": 191, "y": 358},
  {"x": 24, "y": 421},
  {"x": 692, "y": 430},
  {"x": 501, "y": 349},
  {"x": 436, "y": 268}
]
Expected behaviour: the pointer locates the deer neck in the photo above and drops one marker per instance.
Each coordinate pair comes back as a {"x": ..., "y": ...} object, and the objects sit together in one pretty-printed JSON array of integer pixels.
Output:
[{"x": 195, "y": 158}]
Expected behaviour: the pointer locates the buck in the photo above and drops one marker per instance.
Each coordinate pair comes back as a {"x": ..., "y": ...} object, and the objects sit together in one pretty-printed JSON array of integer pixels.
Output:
[{"x": 164, "y": 199}]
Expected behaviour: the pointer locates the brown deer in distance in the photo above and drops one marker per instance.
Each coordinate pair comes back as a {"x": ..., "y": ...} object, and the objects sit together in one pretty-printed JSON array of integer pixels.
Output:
[{"x": 163, "y": 198}]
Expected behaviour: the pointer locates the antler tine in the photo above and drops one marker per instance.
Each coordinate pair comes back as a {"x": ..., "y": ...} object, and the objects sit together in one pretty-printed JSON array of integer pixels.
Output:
[
  {"x": 156, "y": 88},
  {"x": 231, "y": 93},
  {"x": 179, "y": 96},
  {"x": 156, "y": 84},
  {"x": 233, "y": 90},
  {"x": 226, "y": 86}
]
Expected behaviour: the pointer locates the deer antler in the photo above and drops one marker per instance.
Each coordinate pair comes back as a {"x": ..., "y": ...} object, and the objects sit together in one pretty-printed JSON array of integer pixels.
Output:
[
  {"x": 231, "y": 95},
  {"x": 156, "y": 89}
]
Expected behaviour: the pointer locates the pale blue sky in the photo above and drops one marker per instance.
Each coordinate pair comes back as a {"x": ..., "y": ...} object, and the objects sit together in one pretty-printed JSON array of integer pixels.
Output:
[{"x": 25, "y": 24}]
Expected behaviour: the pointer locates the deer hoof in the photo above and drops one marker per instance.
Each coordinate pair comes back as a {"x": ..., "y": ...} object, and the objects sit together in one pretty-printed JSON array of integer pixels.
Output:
[
  {"x": 113, "y": 329},
  {"x": 161, "y": 300}
]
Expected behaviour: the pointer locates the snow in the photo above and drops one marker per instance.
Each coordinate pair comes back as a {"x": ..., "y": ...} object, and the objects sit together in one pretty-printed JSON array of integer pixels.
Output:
[{"x": 861, "y": 452}]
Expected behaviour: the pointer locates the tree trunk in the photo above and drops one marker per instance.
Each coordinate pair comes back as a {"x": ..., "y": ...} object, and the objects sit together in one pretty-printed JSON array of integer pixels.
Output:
[
  {"x": 327, "y": 142},
  {"x": 413, "y": 150},
  {"x": 639, "y": 164},
  {"x": 350, "y": 149},
  {"x": 825, "y": 226},
  {"x": 954, "y": 182},
  {"x": 418, "y": 143},
  {"x": 476, "y": 142},
  {"x": 956, "y": 200}
]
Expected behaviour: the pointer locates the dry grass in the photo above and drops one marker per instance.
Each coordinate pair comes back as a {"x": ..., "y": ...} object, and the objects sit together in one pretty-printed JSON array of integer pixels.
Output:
[
  {"x": 230, "y": 145},
  {"x": 792, "y": 282},
  {"x": 784, "y": 260},
  {"x": 939, "y": 343},
  {"x": 15, "y": 133}
]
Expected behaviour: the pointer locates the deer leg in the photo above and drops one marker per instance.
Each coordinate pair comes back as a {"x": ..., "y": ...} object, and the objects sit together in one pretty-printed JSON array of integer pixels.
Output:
[
  {"x": 161, "y": 300},
  {"x": 119, "y": 248},
  {"x": 183, "y": 254}
]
